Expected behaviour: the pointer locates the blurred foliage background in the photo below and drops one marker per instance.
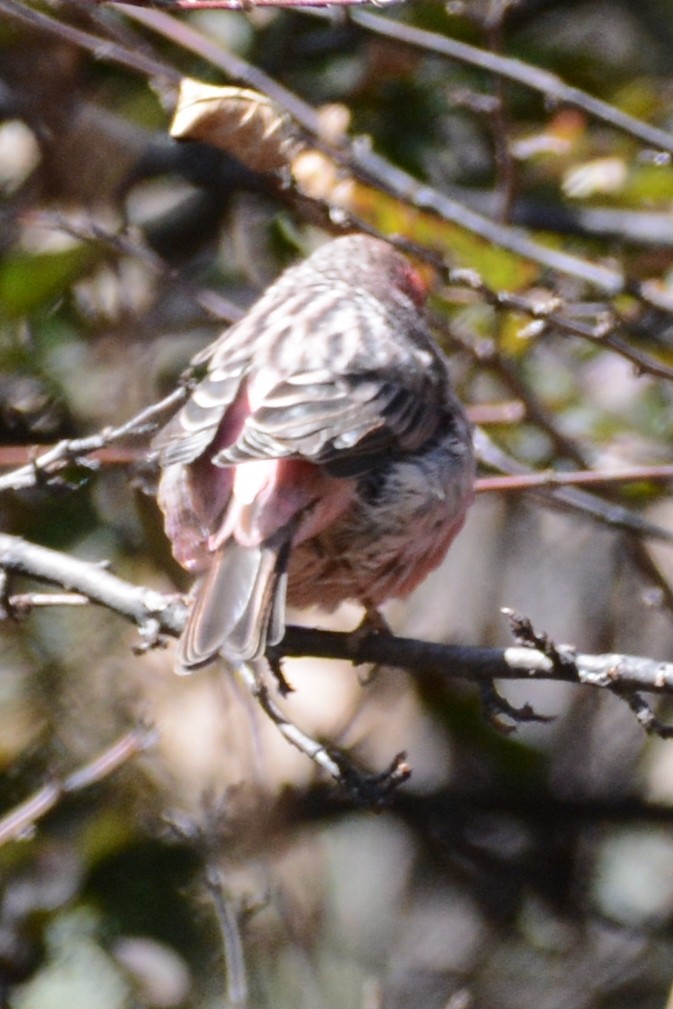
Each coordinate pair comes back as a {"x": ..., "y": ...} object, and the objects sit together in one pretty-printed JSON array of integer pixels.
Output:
[{"x": 526, "y": 870}]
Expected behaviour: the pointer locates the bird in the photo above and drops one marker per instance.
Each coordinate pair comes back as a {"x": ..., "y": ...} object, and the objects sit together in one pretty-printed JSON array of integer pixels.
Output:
[{"x": 322, "y": 456}]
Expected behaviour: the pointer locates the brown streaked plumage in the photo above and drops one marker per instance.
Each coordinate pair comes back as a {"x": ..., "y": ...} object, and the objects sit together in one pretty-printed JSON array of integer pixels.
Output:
[{"x": 322, "y": 457}]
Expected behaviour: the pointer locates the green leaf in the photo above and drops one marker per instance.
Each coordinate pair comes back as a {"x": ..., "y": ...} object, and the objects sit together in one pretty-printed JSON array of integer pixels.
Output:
[{"x": 30, "y": 281}]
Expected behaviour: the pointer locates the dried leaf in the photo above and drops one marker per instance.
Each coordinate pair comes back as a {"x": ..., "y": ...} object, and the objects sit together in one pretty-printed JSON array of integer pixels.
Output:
[{"x": 237, "y": 120}]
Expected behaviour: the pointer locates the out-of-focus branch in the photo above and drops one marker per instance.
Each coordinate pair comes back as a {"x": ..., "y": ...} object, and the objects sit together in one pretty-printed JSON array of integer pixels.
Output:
[
  {"x": 358, "y": 155},
  {"x": 635, "y": 226},
  {"x": 228, "y": 916},
  {"x": 20, "y": 821},
  {"x": 24, "y": 455},
  {"x": 573, "y": 478},
  {"x": 120, "y": 244},
  {"x": 101, "y": 48},
  {"x": 546, "y": 83},
  {"x": 230, "y": 63},
  {"x": 398, "y": 183},
  {"x": 549, "y": 312},
  {"x": 510, "y": 483},
  {"x": 248, "y": 5},
  {"x": 609, "y": 513},
  {"x": 385, "y": 176}
]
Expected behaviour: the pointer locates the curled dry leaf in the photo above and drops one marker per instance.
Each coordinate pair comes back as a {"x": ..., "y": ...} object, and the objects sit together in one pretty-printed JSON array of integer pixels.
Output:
[
  {"x": 320, "y": 178},
  {"x": 238, "y": 120}
]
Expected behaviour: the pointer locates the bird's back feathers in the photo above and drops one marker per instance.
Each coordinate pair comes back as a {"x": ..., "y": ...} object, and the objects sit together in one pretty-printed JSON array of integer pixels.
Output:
[{"x": 330, "y": 376}]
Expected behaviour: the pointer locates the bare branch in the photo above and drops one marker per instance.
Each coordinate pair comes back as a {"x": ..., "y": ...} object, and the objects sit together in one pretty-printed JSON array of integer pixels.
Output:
[
  {"x": 68, "y": 452},
  {"x": 20, "y": 821},
  {"x": 149, "y": 610},
  {"x": 550, "y": 312},
  {"x": 356, "y": 155},
  {"x": 228, "y": 918},
  {"x": 22, "y": 604},
  {"x": 316, "y": 751},
  {"x": 230, "y": 63},
  {"x": 546, "y": 83},
  {"x": 388, "y": 177},
  {"x": 572, "y": 498},
  {"x": 100, "y": 48},
  {"x": 574, "y": 478},
  {"x": 146, "y": 607},
  {"x": 248, "y": 5},
  {"x": 513, "y": 483},
  {"x": 124, "y": 244},
  {"x": 481, "y": 664}
]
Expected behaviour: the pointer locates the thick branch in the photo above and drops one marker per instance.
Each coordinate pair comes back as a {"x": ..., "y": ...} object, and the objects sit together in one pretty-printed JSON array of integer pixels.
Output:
[
  {"x": 481, "y": 664},
  {"x": 155, "y": 612},
  {"x": 151, "y": 611}
]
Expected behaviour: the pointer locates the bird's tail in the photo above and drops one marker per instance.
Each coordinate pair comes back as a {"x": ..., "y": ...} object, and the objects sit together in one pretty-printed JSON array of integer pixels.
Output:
[{"x": 239, "y": 605}]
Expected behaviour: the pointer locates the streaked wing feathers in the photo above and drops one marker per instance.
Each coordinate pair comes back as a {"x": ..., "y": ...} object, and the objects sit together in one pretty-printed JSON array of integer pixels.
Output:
[
  {"x": 322, "y": 398},
  {"x": 190, "y": 432},
  {"x": 355, "y": 417}
]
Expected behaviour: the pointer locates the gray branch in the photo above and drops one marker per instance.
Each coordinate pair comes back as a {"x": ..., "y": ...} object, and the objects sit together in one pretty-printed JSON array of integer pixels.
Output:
[
  {"x": 152, "y": 612},
  {"x": 157, "y": 613}
]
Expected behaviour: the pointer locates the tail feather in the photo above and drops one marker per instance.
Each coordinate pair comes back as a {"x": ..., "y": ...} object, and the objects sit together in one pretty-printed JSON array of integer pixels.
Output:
[{"x": 239, "y": 604}]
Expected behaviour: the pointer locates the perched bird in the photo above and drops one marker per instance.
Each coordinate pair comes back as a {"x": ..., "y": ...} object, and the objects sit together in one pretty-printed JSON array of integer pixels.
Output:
[{"x": 322, "y": 457}]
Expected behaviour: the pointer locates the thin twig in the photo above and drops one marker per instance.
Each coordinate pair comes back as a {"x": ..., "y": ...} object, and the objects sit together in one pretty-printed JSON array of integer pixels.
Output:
[
  {"x": 573, "y": 478},
  {"x": 123, "y": 244},
  {"x": 550, "y": 312},
  {"x": 101, "y": 49},
  {"x": 609, "y": 513},
  {"x": 24, "y": 602},
  {"x": 485, "y": 353},
  {"x": 499, "y": 120},
  {"x": 20, "y": 822},
  {"x": 316, "y": 751},
  {"x": 356, "y": 155},
  {"x": 70, "y": 451},
  {"x": 228, "y": 915},
  {"x": 24, "y": 455},
  {"x": 359, "y": 157},
  {"x": 506, "y": 413},
  {"x": 234, "y": 66},
  {"x": 247, "y": 5},
  {"x": 546, "y": 83},
  {"x": 151, "y": 611}
]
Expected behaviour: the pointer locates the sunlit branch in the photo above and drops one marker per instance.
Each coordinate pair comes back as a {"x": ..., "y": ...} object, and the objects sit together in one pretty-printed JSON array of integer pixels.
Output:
[{"x": 145, "y": 606}]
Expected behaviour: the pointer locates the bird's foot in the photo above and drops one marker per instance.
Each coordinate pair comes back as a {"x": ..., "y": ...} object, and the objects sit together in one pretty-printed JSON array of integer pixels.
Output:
[{"x": 373, "y": 622}]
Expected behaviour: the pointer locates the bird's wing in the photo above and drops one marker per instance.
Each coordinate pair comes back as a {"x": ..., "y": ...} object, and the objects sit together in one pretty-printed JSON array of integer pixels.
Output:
[
  {"x": 193, "y": 428},
  {"x": 358, "y": 387},
  {"x": 320, "y": 373}
]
